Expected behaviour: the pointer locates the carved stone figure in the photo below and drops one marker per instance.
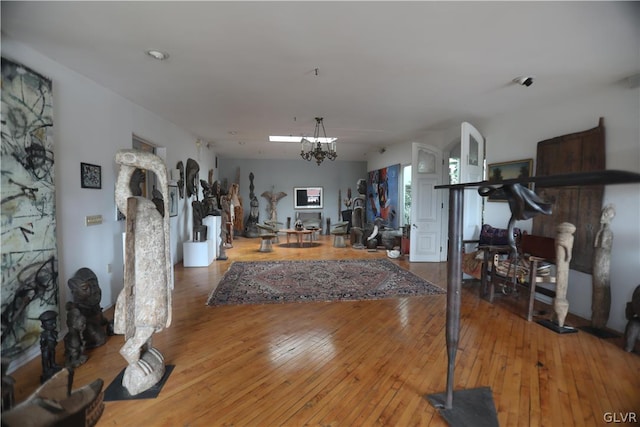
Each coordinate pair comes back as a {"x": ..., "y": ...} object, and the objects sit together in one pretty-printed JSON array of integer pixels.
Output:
[
  {"x": 209, "y": 199},
  {"x": 225, "y": 224},
  {"x": 601, "y": 287},
  {"x": 272, "y": 199},
  {"x": 632, "y": 331},
  {"x": 86, "y": 294},
  {"x": 144, "y": 305},
  {"x": 157, "y": 200},
  {"x": 48, "y": 342},
  {"x": 199, "y": 229},
  {"x": 73, "y": 342},
  {"x": 180, "y": 167},
  {"x": 238, "y": 211},
  {"x": 564, "y": 248},
  {"x": 359, "y": 215},
  {"x": 251, "y": 227},
  {"x": 192, "y": 177}
]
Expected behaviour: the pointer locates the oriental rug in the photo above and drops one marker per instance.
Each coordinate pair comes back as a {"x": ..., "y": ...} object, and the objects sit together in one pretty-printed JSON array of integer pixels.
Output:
[{"x": 303, "y": 281}]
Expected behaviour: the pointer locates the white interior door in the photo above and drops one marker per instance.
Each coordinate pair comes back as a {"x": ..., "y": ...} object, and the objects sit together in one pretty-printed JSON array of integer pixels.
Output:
[
  {"x": 471, "y": 170},
  {"x": 426, "y": 204}
]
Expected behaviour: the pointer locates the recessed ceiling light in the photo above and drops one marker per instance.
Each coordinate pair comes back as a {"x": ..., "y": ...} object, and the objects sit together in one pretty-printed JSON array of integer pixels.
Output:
[{"x": 157, "y": 54}]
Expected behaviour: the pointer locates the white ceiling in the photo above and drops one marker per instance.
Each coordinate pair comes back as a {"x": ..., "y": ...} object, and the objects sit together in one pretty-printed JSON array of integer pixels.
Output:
[{"x": 387, "y": 71}]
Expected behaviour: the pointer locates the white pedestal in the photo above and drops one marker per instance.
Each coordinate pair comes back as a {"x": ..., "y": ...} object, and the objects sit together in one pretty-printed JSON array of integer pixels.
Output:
[
  {"x": 213, "y": 231},
  {"x": 202, "y": 254},
  {"x": 198, "y": 254}
]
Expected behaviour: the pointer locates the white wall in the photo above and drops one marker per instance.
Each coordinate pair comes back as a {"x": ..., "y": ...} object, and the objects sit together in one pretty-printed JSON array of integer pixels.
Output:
[
  {"x": 401, "y": 152},
  {"x": 284, "y": 175},
  {"x": 91, "y": 124},
  {"x": 515, "y": 136}
]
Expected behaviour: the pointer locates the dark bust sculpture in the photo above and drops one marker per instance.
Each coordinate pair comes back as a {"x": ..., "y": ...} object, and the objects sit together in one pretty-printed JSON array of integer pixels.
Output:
[
  {"x": 209, "y": 199},
  {"x": 192, "y": 178},
  {"x": 73, "y": 342},
  {"x": 86, "y": 295}
]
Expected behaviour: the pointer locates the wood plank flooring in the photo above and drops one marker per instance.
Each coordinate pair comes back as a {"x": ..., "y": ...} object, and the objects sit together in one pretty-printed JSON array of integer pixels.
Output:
[{"x": 359, "y": 363}]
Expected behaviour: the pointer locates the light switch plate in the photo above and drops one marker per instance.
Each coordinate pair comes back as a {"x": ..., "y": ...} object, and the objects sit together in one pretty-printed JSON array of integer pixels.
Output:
[{"x": 93, "y": 220}]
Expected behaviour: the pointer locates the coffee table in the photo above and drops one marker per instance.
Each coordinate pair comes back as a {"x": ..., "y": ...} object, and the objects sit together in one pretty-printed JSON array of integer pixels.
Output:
[{"x": 299, "y": 235}]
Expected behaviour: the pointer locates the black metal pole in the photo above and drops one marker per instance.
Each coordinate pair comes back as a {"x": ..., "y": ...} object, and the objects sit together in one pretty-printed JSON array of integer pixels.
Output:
[{"x": 454, "y": 284}]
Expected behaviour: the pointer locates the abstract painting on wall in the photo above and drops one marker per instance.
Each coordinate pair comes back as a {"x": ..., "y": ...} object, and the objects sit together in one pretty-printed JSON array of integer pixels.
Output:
[
  {"x": 382, "y": 195},
  {"x": 29, "y": 251}
]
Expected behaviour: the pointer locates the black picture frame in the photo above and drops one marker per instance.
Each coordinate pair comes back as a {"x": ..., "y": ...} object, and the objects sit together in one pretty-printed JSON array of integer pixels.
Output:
[
  {"x": 308, "y": 198},
  {"x": 90, "y": 176},
  {"x": 173, "y": 200}
]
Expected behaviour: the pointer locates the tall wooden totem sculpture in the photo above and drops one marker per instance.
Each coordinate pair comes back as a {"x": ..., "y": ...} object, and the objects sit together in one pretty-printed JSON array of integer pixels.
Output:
[{"x": 144, "y": 305}]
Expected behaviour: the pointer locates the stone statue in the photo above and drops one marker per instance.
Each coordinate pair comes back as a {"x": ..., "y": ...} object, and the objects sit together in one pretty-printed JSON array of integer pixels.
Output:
[
  {"x": 564, "y": 248},
  {"x": 359, "y": 215},
  {"x": 632, "y": 331},
  {"x": 216, "y": 190},
  {"x": 192, "y": 178},
  {"x": 86, "y": 294},
  {"x": 199, "y": 229},
  {"x": 180, "y": 167},
  {"x": 209, "y": 200},
  {"x": 73, "y": 342},
  {"x": 157, "y": 200},
  {"x": 251, "y": 226},
  {"x": 226, "y": 240},
  {"x": 272, "y": 199},
  {"x": 601, "y": 287},
  {"x": 144, "y": 304},
  {"x": 238, "y": 211},
  {"x": 48, "y": 342}
]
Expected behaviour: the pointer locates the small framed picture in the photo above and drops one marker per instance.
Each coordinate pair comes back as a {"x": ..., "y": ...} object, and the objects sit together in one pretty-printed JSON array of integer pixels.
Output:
[
  {"x": 173, "y": 200},
  {"x": 90, "y": 176},
  {"x": 307, "y": 198},
  {"x": 508, "y": 170}
]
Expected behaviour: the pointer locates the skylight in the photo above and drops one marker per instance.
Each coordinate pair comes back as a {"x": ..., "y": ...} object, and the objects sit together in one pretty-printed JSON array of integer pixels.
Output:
[{"x": 323, "y": 140}]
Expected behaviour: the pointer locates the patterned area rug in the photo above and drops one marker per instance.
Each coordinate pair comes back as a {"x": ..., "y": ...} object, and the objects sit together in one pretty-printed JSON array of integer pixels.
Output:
[{"x": 303, "y": 281}]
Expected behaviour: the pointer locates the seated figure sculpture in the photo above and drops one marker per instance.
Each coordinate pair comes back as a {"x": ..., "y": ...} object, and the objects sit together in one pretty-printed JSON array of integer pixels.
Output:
[
  {"x": 144, "y": 304},
  {"x": 86, "y": 295},
  {"x": 73, "y": 342},
  {"x": 358, "y": 218}
]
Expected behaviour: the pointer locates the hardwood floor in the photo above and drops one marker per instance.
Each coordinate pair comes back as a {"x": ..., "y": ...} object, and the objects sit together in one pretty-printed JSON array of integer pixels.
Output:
[{"x": 358, "y": 363}]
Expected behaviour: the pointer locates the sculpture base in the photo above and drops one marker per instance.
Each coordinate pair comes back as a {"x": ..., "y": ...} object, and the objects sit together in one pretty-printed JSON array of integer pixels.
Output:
[
  {"x": 550, "y": 324},
  {"x": 472, "y": 407},
  {"x": 116, "y": 391},
  {"x": 600, "y": 333}
]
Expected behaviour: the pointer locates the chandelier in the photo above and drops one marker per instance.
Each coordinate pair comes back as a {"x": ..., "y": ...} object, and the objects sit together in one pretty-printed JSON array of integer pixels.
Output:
[{"x": 318, "y": 148}]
